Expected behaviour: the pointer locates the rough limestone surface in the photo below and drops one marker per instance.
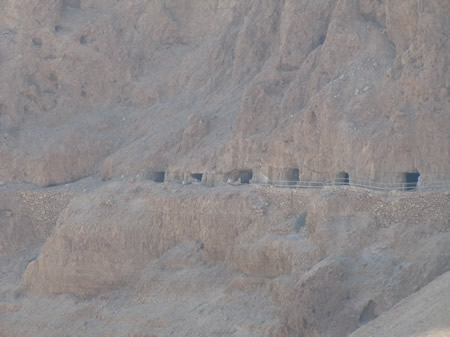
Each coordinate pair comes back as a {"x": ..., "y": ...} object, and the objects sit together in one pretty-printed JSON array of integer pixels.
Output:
[
  {"x": 121, "y": 123},
  {"x": 132, "y": 87},
  {"x": 355, "y": 257},
  {"x": 424, "y": 314}
]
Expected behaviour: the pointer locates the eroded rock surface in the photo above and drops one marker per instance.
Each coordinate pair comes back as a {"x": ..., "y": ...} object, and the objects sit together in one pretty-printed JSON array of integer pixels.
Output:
[
  {"x": 153, "y": 101},
  {"x": 356, "y": 256},
  {"x": 424, "y": 313},
  {"x": 320, "y": 86}
]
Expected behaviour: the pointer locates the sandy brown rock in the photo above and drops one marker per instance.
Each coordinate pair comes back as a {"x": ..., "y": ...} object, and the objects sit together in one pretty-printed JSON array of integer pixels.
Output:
[
  {"x": 357, "y": 87},
  {"x": 423, "y": 314},
  {"x": 28, "y": 217},
  {"x": 199, "y": 93},
  {"x": 357, "y": 256},
  {"x": 124, "y": 229}
]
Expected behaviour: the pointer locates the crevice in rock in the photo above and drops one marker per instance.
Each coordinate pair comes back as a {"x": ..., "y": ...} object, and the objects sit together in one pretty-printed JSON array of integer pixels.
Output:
[
  {"x": 37, "y": 42},
  {"x": 60, "y": 30},
  {"x": 368, "y": 313},
  {"x": 320, "y": 40}
]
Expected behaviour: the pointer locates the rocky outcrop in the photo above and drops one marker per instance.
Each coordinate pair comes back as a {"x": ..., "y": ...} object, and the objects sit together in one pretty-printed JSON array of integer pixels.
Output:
[
  {"x": 354, "y": 259},
  {"x": 128, "y": 228},
  {"x": 421, "y": 314}
]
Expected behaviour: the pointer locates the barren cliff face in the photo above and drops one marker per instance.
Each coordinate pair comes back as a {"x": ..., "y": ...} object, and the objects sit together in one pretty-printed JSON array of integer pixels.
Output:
[
  {"x": 180, "y": 86},
  {"x": 145, "y": 259},
  {"x": 122, "y": 121}
]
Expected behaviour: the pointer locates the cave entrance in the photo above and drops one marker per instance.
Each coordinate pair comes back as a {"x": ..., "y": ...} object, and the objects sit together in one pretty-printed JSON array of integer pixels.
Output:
[
  {"x": 245, "y": 176},
  {"x": 197, "y": 176},
  {"x": 292, "y": 176},
  {"x": 343, "y": 178},
  {"x": 241, "y": 176},
  {"x": 157, "y": 177},
  {"x": 410, "y": 180}
]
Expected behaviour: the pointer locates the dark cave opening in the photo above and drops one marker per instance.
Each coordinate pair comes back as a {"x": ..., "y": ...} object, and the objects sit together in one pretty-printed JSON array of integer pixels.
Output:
[
  {"x": 241, "y": 176},
  {"x": 245, "y": 176},
  {"x": 343, "y": 178},
  {"x": 411, "y": 180},
  {"x": 197, "y": 176}
]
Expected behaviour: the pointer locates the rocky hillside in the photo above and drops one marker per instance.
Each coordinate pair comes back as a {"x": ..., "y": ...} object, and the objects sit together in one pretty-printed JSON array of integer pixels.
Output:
[
  {"x": 422, "y": 314},
  {"x": 131, "y": 133},
  {"x": 217, "y": 86},
  {"x": 146, "y": 259}
]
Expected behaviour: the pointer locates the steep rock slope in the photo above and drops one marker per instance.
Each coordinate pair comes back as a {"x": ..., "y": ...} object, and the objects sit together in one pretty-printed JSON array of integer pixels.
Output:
[
  {"x": 210, "y": 87},
  {"x": 213, "y": 91},
  {"x": 423, "y": 314},
  {"x": 357, "y": 256}
]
